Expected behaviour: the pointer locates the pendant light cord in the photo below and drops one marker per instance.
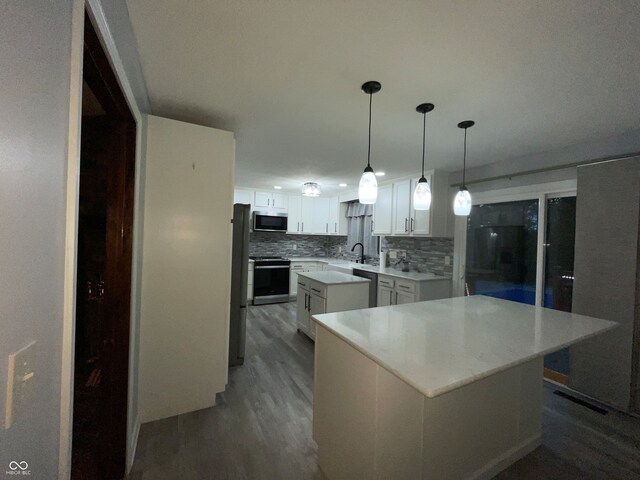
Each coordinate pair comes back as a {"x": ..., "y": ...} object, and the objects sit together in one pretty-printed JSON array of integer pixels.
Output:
[
  {"x": 424, "y": 133},
  {"x": 369, "y": 149},
  {"x": 464, "y": 160}
]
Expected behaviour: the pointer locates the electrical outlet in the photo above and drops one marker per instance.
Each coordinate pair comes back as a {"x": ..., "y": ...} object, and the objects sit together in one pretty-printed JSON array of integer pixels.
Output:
[
  {"x": 295, "y": 246},
  {"x": 20, "y": 376},
  {"x": 447, "y": 260},
  {"x": 393, "y": 254},
  {"x": 339, "y": 249}
]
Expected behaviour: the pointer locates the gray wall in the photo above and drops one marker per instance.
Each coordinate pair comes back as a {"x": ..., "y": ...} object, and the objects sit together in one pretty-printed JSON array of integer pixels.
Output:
[
  {"x": 606, "y": 270},
  {"x": 35, "y": 46},
  {"x": 603, "y": 147}
]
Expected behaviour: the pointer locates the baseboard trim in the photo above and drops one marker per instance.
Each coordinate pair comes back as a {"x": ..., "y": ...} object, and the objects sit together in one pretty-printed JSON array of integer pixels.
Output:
[
  {"x": 508, "y": 458},
  {"x": 133, "y": 446}
]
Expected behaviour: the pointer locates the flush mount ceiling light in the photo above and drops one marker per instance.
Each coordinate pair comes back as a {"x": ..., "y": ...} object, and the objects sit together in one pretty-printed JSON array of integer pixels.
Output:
[
  {"x": 422, "y": 193},
  {"x": 311, "y": 189},
  {"x": 342, "y": 185},
  {"x": 368, "y": 187},
  {"x": 462, "y": 202},
  {"x": 278, "y": 187}
]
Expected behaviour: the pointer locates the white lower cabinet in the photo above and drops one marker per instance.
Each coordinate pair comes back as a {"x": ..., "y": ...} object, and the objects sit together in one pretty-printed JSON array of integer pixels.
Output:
[{"x": 395, "y": 291}]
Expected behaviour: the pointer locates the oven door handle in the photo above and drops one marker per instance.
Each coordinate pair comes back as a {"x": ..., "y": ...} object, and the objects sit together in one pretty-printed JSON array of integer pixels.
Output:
[{"x": 270, "y": 267}]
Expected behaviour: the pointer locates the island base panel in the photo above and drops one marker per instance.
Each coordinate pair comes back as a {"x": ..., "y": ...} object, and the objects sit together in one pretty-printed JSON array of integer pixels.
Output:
[{"x": 370, "y": 424}]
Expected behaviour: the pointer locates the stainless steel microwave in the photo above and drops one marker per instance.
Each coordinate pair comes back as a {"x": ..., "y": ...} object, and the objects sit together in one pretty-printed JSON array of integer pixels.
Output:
[{"x": 269, "y": 222}]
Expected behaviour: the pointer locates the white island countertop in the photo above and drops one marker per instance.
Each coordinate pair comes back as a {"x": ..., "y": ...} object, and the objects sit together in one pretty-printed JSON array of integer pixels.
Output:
[
  {"x": 441, "y": 345},
  {"x": 333, "y": 278}
]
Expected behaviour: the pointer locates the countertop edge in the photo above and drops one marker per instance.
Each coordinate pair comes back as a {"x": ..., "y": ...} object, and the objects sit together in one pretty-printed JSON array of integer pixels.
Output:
[{"x": 436, "y": 392}]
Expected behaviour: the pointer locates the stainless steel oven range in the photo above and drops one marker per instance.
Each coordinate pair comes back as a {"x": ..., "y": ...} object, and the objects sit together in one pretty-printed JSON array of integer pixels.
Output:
[{"x": 270, "y": 280}]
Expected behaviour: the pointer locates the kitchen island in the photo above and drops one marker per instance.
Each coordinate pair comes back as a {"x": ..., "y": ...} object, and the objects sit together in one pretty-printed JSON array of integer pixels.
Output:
[
  {"x": 323, "y": 292},
  {"x": 446, "y": 389}
]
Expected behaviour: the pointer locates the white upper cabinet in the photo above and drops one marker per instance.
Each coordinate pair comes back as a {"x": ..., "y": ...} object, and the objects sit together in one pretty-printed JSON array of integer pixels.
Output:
[
  {"x": 402, "y": 207},
  {"x": 406, "y": 221},
  {"x": 321, "y": 208},
  {"x": 334, "y": 216},
  {"x": 279, "y": 201},
  {"x": 306, "y": 215},
  {"x": 294, "y": 214},
  {"x": 383, "y": 211},
  {"x": 270, "y": 201},
  {"x": 243, "y": 196}
]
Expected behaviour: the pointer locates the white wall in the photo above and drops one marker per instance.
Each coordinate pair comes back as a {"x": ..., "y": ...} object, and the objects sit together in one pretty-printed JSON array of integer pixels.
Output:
[
  {"x": 35, "y": 54},
  {"x": 186, "y": 267}
]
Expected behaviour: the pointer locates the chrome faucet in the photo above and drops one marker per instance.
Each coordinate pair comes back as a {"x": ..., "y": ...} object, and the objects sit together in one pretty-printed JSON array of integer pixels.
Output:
[{"x": 361, "y": 252}]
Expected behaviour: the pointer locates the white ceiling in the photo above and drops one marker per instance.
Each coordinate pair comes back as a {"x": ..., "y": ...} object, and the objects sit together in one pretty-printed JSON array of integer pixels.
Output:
[{"x": 285, "y": 76}]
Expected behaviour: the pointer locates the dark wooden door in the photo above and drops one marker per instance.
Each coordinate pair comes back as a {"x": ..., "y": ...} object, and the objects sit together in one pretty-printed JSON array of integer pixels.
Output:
[{"x": 104, "y": 271}]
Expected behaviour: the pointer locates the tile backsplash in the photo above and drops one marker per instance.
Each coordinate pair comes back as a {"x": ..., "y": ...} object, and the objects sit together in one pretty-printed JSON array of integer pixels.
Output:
[
  {"x": 276, "y": 243},
  {"x": 423, "y": 254}
]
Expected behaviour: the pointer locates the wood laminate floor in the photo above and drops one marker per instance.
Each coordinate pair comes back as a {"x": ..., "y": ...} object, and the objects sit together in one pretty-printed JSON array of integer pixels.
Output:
[{"x": 261, "y": 426}]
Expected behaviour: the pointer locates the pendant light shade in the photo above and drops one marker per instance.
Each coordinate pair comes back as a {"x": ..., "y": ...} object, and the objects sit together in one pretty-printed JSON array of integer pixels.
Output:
[
  {"x": 462, "y": 201},
  {"x": 368, "y": 187},
  {"x": 422, "y": 193}
]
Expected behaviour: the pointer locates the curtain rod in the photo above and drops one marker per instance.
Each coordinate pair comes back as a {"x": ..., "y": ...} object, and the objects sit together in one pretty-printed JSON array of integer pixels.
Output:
[{"x": 549, "y": 169}]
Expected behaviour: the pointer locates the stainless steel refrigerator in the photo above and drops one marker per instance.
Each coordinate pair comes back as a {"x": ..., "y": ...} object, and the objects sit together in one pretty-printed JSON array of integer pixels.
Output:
[{"x": 239, "y": 276}]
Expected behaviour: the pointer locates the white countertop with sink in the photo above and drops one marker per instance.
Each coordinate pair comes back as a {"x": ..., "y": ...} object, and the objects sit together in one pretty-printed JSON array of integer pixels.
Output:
[
  {"x": 333, "y": 278},
  {"x": 441, "y": 345},
  {"x": 392, "y": 272}
]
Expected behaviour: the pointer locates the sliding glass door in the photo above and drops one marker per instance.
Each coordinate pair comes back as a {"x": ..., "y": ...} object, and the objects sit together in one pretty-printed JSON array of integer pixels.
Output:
[
  {"x": 559, "y": 249},
  {"x": 502, "y": 250},
  {"x": 522, "y": 250}
]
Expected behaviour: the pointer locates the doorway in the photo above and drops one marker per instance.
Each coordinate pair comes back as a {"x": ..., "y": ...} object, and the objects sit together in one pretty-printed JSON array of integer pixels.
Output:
[{"x": 103, "y": 279}]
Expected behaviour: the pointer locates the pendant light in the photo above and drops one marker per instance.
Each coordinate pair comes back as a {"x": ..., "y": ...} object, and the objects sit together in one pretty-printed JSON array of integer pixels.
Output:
[
  {"x": 462, "y": 202},
  {"x": 422, "y": 193},
  {"x": 368, "y": 188}
]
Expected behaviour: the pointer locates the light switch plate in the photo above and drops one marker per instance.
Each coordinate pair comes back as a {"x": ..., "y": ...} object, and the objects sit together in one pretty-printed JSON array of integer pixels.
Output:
[
  {"x": 20, "y": 379},
  {"x": 295, "y": 246}
]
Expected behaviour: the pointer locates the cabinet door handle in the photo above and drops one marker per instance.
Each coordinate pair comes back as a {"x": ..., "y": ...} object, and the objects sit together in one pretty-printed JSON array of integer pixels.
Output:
[
  {"x": 336, "y": 228},
  {"x": 390, "y": 297},
  {"x": 412, "y": 226},
  {"x": 315, "y": 290},
  {"x": 327, "y": 228},
  {"x": 404, "y": 286},
  {"x": 406, "y": 224},
  {"x": 298, "y": 227},
  {"x": 372, "y": 222},
  {"x": 396, "y": 298},
  {"x": 268, "y": 202},
  {"x": 305, "y": 301},
  {"x": 303, "y": 226},
  {"x": 309, "y": 307}
]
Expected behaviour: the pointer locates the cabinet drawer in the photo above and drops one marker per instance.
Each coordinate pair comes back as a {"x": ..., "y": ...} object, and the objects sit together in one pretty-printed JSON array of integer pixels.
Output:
[
  {"x": 406, "y": 286},
  {"x": 318, "y": 289},
  {"x": 386, "y": 282},
  {"x": 303, "y": 283},
  {"x": 297, "y": 266}
]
